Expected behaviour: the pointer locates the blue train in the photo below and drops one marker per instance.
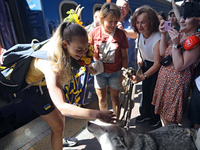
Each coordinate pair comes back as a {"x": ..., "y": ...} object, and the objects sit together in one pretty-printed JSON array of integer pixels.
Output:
[{"x": 24, "y": 20}]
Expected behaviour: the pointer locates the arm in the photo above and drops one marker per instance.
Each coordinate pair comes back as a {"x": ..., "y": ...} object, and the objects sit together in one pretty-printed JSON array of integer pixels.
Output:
[
  {"x": 139, "y": 59},
  {"x": 130, "y": 33},
  {"x": 154, "y": 68},
  {"x": 176, "y": 11},
  {"x": 182, "y": 61},
  {"x": 58, "y": 98},
  {"x": 124, "y": 58},
  {"x": 163, "y": 43},
  {"x": 124, "y": 62}
]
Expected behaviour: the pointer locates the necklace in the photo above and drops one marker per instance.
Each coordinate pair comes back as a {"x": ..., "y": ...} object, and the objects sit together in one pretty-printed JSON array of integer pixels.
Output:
[{"x": 146, "y": 38}]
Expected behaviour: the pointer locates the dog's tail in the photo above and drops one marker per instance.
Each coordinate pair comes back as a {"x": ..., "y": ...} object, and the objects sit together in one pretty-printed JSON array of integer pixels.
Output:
[{"x": 197, "y": 141}]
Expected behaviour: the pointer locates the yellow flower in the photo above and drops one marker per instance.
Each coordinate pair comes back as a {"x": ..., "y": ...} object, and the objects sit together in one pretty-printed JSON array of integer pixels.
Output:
[{"x": 73, "y": 17}]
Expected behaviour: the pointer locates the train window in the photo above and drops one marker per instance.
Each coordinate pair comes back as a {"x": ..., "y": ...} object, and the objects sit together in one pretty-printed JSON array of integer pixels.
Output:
[
  {"x": 96, "y": 7},
  {"x": 64, "y": 7}
]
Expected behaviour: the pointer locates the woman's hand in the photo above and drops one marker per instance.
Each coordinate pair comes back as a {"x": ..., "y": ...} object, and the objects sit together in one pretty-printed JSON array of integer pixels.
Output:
[
  {"x": 161, "y": 27},
  {"x": 107, "y": 116},
  {"x": 175, "y": 36},
  {"x": 135, "y": 79},
  {"x": 122, "y": 78},
  {"x": 91, "y": 69},
  {"x": 119, "y": 25}
]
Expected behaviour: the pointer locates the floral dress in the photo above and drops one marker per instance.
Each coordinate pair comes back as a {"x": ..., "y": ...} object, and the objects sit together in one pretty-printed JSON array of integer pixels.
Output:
[{"x": 172, "y": 89}]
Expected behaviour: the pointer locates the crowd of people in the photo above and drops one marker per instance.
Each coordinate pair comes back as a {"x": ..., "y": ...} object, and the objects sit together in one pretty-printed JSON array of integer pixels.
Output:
[{"x": 166, "y": 87}]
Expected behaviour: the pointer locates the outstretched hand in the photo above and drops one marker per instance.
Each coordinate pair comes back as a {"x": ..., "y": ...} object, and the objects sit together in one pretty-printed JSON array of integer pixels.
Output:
[{"x": 107, "y": 116}]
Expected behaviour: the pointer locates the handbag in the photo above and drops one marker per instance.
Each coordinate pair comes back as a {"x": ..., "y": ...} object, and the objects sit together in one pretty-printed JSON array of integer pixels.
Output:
[
  {"x": 98, "y": 64},
  {"x": 139, "y": 71},
  {"x": 166, "y": 61}
]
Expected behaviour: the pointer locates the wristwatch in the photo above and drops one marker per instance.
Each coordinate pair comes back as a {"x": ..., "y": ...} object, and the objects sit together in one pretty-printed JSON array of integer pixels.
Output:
[
  {"x": 145, "y": 75},
  {"x": 177, "y": 46}
]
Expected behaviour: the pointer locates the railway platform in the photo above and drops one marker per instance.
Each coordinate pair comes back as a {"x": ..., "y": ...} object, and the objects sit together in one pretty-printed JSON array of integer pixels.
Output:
[{"x": 36, "y": 134}]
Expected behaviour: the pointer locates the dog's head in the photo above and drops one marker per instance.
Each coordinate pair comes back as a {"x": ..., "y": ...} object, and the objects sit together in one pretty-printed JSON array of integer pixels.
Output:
[{"x": 110, "y": 137}]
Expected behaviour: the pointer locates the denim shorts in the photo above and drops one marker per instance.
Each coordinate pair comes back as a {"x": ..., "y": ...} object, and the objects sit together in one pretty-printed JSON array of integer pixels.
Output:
[
  {"x": 41, "y": 104},
  {"x": 110, "y": 79}
]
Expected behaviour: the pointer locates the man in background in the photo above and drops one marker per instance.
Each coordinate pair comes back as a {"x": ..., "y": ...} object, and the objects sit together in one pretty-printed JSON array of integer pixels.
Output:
[
  {"x": 125, "y": 24},
  {"x": 95, "y": 22}
]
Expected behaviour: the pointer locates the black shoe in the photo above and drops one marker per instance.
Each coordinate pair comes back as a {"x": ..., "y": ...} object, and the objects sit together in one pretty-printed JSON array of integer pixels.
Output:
[
  {"x": 154, "y": 122},
  {"x": 142, "y": 118}
]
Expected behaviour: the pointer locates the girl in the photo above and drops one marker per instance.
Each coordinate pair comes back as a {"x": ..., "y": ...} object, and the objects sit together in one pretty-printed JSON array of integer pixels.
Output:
[
  {"x": 113, "y": 54},
  {"x": 69, "y": 40}
]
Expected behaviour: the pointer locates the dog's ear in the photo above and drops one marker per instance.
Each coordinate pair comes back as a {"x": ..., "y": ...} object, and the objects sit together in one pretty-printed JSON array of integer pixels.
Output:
[{"x": 119, "y": 143}]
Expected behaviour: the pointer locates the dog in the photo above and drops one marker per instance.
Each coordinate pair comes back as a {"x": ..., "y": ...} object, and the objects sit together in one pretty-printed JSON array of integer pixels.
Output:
[{"x": 171, "y": 137}]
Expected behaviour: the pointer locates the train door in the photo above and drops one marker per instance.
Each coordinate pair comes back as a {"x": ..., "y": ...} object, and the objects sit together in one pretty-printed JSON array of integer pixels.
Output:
[{"x": 7, "y": 32}]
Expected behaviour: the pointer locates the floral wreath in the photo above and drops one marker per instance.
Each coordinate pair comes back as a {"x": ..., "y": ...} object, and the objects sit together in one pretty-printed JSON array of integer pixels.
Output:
[{"x": 73, "y": 17}]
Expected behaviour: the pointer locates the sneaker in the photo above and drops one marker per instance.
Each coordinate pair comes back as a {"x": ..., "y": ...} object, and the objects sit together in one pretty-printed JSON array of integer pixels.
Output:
[
  {"x": 142, "y": 118},
  {"x": 68, "y": 142},
  {"x": 154, "y": 123}
]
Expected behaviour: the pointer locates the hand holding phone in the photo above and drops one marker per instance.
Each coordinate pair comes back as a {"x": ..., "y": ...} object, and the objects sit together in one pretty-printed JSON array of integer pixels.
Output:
[{"x": 168, "y": 25}]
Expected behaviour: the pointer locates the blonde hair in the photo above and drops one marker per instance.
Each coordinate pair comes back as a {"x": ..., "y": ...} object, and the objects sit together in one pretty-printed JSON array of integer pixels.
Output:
[
  {"x": 60, "y": 58},
  {"x": 111, "y": 10}
]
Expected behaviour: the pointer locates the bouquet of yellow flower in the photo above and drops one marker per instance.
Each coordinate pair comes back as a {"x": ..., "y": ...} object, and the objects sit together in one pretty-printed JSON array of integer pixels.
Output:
[{"x": 73, "y": 17}]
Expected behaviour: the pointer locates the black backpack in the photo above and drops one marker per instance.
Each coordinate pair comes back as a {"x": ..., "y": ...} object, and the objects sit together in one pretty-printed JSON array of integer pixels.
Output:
[{"x": 16, "y": 61}]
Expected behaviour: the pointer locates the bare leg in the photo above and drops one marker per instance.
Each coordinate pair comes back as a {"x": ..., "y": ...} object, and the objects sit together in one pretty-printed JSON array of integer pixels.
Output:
[
  {"x": 102, "y": 97},
  {"x": 166, "y": 122},
  {"x": 114, "y": 94},
  {"x": 56, "y": 122}
]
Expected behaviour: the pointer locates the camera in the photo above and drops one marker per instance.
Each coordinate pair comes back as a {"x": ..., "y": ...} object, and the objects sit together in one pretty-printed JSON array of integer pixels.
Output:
[
  {"x": 168, "y": 25},
  {"x": 190, "y": 9}
]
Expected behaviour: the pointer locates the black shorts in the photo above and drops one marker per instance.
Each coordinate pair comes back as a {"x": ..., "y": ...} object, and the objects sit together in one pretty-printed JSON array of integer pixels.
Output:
[
  {"x": 42, "y": 104},
  {"x": 194, "y": 107}
]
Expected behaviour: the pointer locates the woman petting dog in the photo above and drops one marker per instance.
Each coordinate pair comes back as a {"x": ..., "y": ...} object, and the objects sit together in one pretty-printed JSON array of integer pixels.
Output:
[{"x": 69, "y": 41}]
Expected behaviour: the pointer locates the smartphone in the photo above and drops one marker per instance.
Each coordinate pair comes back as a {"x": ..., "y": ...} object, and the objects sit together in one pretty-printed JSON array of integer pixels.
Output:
[{"x": 168, "y": 25}]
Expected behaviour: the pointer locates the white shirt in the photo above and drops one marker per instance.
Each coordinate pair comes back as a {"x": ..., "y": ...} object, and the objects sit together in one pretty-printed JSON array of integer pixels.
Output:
[{"x": 147, "y": 46}]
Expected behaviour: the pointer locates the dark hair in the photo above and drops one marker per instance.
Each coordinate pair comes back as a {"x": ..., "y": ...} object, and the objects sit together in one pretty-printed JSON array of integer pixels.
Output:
[
  {"x": 69, "y": 31},
  {"x": 152, "y": 15},
  {"x": 161, "y": 13}
]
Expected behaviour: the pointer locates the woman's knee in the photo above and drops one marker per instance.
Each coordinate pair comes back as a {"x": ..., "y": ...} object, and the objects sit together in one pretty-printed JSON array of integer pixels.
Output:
[{"x": 58, "y": 127}]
